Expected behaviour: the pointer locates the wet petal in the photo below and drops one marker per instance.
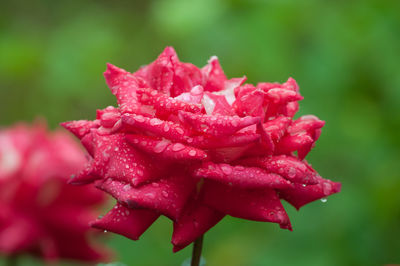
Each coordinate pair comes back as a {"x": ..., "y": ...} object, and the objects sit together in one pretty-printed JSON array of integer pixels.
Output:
[
  {"x": 195, "y": 221},
  {"x": 131, "y": 223},
  {"x": 288, "y": 167},
  {"x": 239, "y": 176},
  {"x": 252, "y": 204},
  {"x": 214, "y": 77},
  {"x": 158, "y": 127},
  {"x": 166, "y": 149},
  {"x": 235, "y": 140},
  {"x": 80, "y": 127},
  {"x": 166, "y": 196},
  {"x": 300, "y": 195},
  {"x": 217, "y": 125}
]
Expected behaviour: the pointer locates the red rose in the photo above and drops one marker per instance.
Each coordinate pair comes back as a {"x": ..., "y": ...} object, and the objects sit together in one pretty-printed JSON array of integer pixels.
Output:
[
  {"x": 39, "y": 212},
  {"x": 194, "y": 146}
]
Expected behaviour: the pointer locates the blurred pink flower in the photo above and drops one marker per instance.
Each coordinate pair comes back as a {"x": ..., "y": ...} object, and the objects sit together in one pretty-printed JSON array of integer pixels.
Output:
[
  {"x": 39, "y": 212},
  {"x": 192, "y": 145}
]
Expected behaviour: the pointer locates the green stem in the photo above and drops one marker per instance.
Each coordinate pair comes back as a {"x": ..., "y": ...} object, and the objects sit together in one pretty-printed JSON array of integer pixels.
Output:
[{"x": 196, "y": 255}]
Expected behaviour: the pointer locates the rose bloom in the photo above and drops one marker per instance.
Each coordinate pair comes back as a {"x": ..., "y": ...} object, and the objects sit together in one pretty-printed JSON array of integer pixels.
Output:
[
  {"x": 40, "y": 213},
  {"x": 194, "y": 146}
]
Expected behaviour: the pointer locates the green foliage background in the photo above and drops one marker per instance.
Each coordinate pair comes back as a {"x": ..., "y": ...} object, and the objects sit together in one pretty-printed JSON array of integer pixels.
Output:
[{"x": 344, "y": 54}]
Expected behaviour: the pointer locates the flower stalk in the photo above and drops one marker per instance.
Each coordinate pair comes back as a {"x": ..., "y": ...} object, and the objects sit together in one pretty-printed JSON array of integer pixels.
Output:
[{"x": 196, "y": 254}]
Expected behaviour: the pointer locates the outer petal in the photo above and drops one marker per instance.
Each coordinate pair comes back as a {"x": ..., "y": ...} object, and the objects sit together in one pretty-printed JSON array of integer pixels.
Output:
[
  {"x": 80, "y": 128},
  {"x": 232, "y": 141},
  {"x": 131, "y": 223},
  {"x": 115, "y": 158},
  {"x": 243, "y": 177},
  {"x": 252, "y": 204},
  {"x": 289, "y": 167},
  {"x": 155, "y": 126},
  {"x": 166, "y": 196},
  {"x": 217, "y": 125},
  {"x": 196, "y": 220},
  {"x": 300, "y": 195},
  {"x": 163, "y": 148}
]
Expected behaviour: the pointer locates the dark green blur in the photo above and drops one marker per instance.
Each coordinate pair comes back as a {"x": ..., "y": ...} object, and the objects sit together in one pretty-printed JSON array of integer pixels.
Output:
[{"x": 345, "y": 55}]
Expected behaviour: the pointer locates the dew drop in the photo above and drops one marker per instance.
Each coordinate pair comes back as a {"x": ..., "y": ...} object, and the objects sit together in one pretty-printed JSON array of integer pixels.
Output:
[
  {"x": 177, "y": 147},
  {"x": 139, "y": 118},
  {"x": 196, "y": 224},
  {"x": 227, "y": 169},
  {"x": 140, "y": 172},
  {"x": 126, "y": 187},
  {"x": 291, "y": 172},
  {"x": 323, "y": 200},
  {"x": 105, "y": 231},
  {"x": 155, "y": 122},
  {"x": 180, "y": 130},
  {"x": 160, "y": 147},
  {"x": 166, "y": 127},
  {"x": 192, "y": 153},
  {"x": 234, "y": 123},
  {"x": 164, "y": 193}
]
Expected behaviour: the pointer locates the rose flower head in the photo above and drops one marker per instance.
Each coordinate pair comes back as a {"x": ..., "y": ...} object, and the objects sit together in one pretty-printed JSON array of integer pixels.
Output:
[
  {"x": 40, "y": 213},
  {"x": 190, "y": 144}
]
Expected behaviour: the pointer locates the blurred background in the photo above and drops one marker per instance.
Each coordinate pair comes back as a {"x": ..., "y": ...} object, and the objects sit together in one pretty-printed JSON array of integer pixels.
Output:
[{"x": 344, "y": 55}]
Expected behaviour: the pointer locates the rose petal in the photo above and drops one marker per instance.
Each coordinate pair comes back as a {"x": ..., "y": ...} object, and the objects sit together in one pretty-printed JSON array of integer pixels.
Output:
[
  {"x": 217, "y": 125},
  {"x": 80, "y": 128},
  {"x": 166, "y": 129},
  {"x": 214, "y": 77},
  {"x": 235, "y": 140},
  {"x": 131, "y": 223},
  {"x": 300, "y": 195},
  {"x": 239, "y": 176},
  {"x": 288, "y": 167},
  {"x": 195, "y": 221},
  {"x": 252, "y": 204},
  {"x": 166, "y": 196},
  {"x": 165, "y": 149}
]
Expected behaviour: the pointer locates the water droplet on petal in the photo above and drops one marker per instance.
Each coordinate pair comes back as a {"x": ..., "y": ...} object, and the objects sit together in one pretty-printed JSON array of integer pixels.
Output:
[
  {"x": 161, "y": 146},
  {"x": 192, "y": 153},
  {"x": 155, "y": 122},
  {"x": 139, "y": 118},
  {"x": 164, "y": 193},
  {"x": 166, "y": 127},
  {"x": 227, "y": 169},
  {"x": 326, "y": 187},
  {"x": 177, "y": 147},
  {"x": 126, "y": 187}
]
